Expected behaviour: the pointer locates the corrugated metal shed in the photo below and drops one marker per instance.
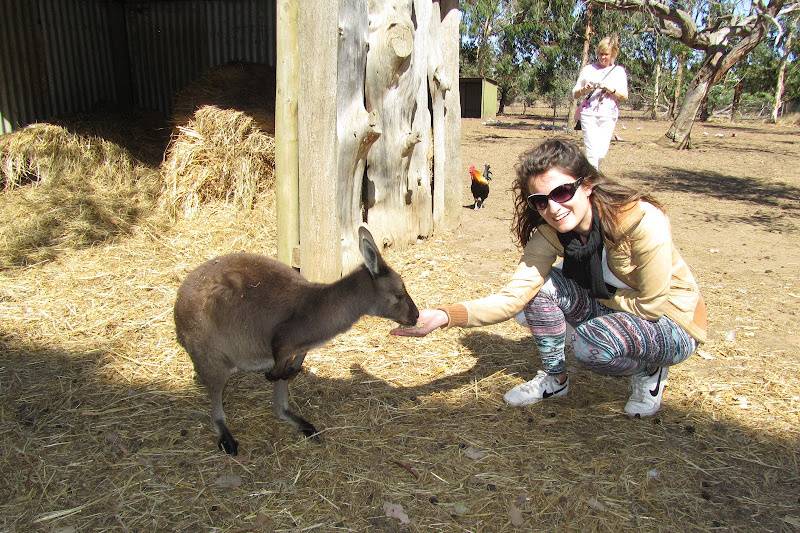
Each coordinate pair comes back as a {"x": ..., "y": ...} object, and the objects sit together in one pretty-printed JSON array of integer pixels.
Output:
[{"x": 66, "y": 56}]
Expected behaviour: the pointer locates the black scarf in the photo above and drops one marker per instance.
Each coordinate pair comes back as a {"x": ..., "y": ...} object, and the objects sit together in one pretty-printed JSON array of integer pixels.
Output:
[{"x": 583, "y": 262}]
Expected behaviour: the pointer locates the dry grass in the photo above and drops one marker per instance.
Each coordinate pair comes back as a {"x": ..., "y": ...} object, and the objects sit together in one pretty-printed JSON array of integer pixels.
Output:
[
  {"x": 104, "y": 428},
  {"x": 65, "y": 191},
  {"x": 790, "y": 119},
  {"x": 220, "y": 156},
  {"x": 246, "y": 87}
]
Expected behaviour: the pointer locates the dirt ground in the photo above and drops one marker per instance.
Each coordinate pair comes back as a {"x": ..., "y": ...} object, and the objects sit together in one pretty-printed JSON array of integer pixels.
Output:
[
  {"x": 104, "y": 428},
  {"x": 733, "y": 201}
]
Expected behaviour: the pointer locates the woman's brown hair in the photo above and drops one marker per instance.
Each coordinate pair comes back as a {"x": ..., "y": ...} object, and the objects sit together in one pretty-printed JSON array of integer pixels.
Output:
[{"x": 609, "y": 198}]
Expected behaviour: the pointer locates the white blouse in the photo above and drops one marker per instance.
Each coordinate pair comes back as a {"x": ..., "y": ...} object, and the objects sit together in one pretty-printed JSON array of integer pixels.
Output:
[{"x": 600, "y": 104}]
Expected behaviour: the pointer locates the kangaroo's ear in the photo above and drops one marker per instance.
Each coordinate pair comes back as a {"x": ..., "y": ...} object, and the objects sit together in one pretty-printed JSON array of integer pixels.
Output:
[{"x": 372, "y": 257}]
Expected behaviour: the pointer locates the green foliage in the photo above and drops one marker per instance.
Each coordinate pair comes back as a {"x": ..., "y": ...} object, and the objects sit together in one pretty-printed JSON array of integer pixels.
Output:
[
  {"x": 529, "y": 47},
  {"x": 533, "y": 49}
]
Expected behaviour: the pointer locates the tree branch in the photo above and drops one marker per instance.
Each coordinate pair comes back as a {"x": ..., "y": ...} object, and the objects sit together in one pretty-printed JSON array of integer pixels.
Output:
[
  {"x": 673, "y": 22},
  {"x": 678, "y": 24}
]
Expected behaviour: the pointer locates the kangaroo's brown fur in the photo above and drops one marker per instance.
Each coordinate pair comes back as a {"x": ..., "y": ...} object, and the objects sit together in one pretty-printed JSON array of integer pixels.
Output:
[{"x": 245, "y": 312}]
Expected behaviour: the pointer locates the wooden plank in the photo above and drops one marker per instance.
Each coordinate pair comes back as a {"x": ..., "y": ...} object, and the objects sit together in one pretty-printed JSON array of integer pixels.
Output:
[
  {"x": 420, "y": 168},
  {"x": 286, "y": 140},
  {"x": 453, "y": 179},
  {"x": 443, "y": 83},
  {"x": 320, "y": 236}
]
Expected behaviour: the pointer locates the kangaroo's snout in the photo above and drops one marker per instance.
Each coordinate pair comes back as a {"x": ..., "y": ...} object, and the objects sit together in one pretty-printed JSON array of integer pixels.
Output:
[{"x": 412, "y": 316}]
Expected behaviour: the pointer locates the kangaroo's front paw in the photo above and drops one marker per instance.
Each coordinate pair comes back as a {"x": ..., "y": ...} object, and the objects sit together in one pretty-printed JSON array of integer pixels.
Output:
[{"x": 284, "y": 373}]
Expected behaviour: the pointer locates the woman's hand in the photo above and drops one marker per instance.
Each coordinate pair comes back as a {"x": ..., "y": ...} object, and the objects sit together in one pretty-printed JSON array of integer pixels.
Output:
[{"x": 429, "y": 320}]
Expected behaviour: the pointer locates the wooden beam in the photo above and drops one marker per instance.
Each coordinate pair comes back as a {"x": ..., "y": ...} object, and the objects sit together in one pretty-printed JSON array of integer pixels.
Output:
[
  {"x": 286, "y": 143},
  {"x": 451, "y": 25},
  {"x": 320, "y": 235}
]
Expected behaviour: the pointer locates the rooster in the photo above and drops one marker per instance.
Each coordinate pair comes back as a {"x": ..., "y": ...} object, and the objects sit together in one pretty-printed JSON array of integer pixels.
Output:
[{"x": 480, "y": 184}]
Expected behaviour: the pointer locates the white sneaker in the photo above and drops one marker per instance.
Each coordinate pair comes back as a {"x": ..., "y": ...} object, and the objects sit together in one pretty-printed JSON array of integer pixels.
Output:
[
  {"x": 646, "y": 393},
  {"x": 542, "y": 387}
]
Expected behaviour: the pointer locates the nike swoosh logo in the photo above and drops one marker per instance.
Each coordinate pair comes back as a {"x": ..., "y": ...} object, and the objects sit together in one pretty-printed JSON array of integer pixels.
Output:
[
  {"x": 546, "y": 394},
  {"x": 654, "y": 392}
]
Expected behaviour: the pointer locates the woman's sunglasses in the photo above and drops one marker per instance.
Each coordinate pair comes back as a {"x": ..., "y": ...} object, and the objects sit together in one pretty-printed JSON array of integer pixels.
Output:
[{"x": 562, "y": 193}]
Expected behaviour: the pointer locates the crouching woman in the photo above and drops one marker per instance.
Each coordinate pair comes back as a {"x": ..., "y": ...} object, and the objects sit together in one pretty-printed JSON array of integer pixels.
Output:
[{"x": 625, "y": 289}]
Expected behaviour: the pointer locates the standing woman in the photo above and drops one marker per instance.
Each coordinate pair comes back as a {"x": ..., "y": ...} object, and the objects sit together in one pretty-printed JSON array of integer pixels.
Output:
[
  {"x": 624, "y": 287},
  {"x": 601, "y": 86}
]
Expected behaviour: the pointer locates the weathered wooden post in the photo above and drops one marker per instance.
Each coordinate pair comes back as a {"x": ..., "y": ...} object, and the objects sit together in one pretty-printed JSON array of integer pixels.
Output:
[
  {"x": 320, "y": 235},
  {"x": 369, "y": 148},
  {"x": 443, "y": 82},
  {"x": 286, "y": 169}
]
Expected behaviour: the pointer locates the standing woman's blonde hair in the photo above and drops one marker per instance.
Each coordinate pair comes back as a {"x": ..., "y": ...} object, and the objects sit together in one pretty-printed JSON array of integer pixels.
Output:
[{"x": 609, "y": 44}]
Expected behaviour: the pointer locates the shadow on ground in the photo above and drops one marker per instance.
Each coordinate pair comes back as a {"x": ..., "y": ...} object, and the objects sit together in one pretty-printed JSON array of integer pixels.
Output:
[
  {"x": 86, "y": 451},
  {"x": 145, "y": 134},
  {"x": 738, "y": 127},
  {"x": 724, "y": 187}
]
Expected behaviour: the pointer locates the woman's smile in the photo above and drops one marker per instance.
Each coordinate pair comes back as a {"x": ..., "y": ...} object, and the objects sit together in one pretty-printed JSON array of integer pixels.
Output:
[{"x": 573, "y": 214}]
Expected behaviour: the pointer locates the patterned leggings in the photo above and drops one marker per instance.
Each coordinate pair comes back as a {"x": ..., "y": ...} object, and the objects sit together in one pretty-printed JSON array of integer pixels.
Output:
[{"x": 608, "y": 342}]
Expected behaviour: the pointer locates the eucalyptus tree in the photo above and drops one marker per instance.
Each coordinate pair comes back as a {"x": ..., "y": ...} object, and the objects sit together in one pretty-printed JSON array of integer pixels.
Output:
[
  {"x": 481, "y": 22},
  {"x": 724, "y": 38},
  {"x": 550, "y": 40},
  {"x": 505, "y": 39},
  {"x": 784, "y": 42}
]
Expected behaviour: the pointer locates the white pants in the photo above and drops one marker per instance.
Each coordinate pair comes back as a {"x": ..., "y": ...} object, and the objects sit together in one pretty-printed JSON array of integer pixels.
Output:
[{"x": 597, "y": 132}]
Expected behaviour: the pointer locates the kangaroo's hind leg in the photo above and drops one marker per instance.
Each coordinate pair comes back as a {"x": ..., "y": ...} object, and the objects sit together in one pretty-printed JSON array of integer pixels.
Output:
[
  {"x": 215, "y": 384},
  {"x": 280, "y": 406}
]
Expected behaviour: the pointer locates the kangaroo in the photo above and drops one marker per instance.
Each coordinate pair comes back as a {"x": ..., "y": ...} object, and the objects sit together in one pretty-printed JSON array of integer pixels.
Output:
[{"x": 246, "y": 312}]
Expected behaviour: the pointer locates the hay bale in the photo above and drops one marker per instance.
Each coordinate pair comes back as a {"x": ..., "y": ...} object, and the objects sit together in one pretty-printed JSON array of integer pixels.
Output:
[
  {"x": 81, "y": 190},
  {"x": 246, "y": 87},
  {"x": 220, "y": 156},
  {"x": 40, "y": 152}
]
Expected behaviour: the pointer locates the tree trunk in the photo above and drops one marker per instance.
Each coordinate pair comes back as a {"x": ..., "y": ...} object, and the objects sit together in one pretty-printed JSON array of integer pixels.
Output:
[
  {"x": 737, "y": 97},
  {"x": 483, "y": 41},
  {"x": 678, "y": 133},
  {"x": 705, "y": 113},
  {"x": 365, "y": 130},
  {"x": 678, "y": 85},
  {"x": 443, "y": 85},
  {"x": 682, "y": 125},
  {"x": 390, "y": 92},
  {"x": 357, "y": 128},
  {"x": 779, "y": 84},
  {"x": 656, "y": 89},
  {"x": 587, "y": 37},
  {"x": 714, "y": 67},
  {"x": 501, "y": 105}
]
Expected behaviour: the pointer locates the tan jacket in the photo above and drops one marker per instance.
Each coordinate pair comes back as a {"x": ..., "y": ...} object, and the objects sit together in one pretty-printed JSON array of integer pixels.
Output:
[{"x": 642, "y": 255}]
